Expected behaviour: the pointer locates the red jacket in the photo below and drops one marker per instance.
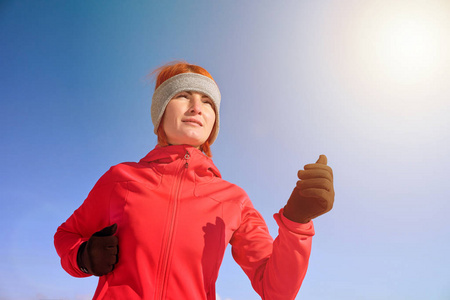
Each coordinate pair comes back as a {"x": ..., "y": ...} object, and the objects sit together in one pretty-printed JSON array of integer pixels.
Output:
[{"x": 175, "y": 217}]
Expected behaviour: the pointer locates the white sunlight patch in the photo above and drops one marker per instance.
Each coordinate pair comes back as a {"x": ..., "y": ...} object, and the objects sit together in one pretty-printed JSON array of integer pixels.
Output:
[
  {"x": 219, "y": 298},
  {"x": 402, "y": 43}
]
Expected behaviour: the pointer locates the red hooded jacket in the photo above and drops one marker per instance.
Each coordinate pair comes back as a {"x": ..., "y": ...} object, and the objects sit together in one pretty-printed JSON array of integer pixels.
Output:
[{"x": 175, "y": 217}]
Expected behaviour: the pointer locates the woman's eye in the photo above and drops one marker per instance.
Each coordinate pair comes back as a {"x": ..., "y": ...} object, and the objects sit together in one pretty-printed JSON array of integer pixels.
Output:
[
  {"x": 207, "y": 101},
  {"x": 182, "y": 96}
]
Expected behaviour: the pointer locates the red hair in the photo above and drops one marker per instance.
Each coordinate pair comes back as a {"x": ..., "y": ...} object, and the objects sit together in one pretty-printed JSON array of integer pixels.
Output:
[{"x": 167, "y": 71}]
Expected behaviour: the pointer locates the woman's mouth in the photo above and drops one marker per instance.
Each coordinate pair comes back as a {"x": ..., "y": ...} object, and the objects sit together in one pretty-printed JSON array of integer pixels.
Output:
[{"x": 193, "y": 122}]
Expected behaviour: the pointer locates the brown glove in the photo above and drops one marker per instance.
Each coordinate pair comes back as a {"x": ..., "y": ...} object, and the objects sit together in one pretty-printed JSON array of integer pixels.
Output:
[
  {"x": 98, "y": 255},
  {"x": 314, "y": 193}
]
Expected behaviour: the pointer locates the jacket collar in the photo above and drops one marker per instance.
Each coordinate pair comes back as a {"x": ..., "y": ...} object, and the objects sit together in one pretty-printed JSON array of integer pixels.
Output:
[{"x": 167, "y": 154}]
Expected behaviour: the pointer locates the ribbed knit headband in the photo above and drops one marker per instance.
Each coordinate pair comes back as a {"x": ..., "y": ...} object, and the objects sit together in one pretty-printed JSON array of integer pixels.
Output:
[{"x": 180, "y": 83}]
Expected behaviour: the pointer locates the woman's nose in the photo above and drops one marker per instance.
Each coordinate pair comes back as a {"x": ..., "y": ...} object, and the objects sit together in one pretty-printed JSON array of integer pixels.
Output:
[{"x": 196, "y": 105}]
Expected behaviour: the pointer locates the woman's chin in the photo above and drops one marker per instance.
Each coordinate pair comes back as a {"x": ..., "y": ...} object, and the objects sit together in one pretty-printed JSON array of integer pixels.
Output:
[{"x": 194, "y": 142}]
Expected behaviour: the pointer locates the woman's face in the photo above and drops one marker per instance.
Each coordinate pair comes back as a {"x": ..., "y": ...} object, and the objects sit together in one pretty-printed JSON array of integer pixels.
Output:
[{"x": 189, "y": 119}]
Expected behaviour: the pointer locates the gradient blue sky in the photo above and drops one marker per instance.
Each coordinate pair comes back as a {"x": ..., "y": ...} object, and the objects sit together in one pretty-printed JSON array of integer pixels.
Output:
[{"x": 364, "y": 82}]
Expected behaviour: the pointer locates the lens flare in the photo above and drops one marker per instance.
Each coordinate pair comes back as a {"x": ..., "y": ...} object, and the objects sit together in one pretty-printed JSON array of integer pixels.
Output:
[{"x": 403, "y": 43}]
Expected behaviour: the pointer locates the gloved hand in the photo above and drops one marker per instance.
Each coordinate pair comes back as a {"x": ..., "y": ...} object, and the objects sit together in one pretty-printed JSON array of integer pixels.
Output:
[
  {"x": 98, "y": 255},
  {"x": 314, "y": 193}
]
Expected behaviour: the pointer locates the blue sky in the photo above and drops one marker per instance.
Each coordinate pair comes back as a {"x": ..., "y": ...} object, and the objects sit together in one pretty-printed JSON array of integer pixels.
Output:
[{"x": 364, "y": 82}]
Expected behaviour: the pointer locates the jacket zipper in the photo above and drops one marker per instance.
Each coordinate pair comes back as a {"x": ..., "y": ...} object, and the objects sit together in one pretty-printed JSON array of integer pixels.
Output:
[{"x": 166, "y": 254}]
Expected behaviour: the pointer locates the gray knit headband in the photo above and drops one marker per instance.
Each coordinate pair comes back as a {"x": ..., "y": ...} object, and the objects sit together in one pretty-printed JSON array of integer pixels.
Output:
[{"x": 180, "y": 83}]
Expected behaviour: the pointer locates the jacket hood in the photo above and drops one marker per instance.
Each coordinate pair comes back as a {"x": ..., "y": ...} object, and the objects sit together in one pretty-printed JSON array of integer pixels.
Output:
[{"x": 167, "y": 154}]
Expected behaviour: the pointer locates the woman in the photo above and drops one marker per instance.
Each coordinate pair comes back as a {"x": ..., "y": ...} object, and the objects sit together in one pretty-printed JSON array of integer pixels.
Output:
[{"x": 158, "y": 229}]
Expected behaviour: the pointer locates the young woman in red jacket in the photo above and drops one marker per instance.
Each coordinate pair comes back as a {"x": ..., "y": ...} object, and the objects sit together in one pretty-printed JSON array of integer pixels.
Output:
[{"x": 158, "y": 228}]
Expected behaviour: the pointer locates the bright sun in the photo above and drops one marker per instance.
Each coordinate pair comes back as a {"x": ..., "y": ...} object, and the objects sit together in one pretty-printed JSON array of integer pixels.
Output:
[
  {"x": 408, "y": 47},
  {"x": 398, "y": 59},
  {"x": 403, "y": 45}
]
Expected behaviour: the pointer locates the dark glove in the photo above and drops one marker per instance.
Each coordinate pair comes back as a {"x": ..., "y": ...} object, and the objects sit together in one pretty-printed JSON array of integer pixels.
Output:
[
  {"x": 314, "y": 193},
  {"x": 98, "y": 255}
]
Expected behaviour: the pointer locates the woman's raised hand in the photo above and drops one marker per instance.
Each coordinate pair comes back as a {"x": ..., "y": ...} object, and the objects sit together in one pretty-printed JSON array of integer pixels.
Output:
[{"x": 314, "y": 193}]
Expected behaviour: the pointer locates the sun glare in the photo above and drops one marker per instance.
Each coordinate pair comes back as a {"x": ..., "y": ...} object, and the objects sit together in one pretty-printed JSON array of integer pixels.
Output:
[
  {"x": 397, "y": 63},
  {"x": 402, "y": 45},
  {"x": 407, "y": 48}
]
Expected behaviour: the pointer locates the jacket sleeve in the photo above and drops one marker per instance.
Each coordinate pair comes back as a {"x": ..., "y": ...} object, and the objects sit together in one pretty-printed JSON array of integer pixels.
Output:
[
  {"x": 275, "y": 268},
  {"x": 91, "y": 216}
]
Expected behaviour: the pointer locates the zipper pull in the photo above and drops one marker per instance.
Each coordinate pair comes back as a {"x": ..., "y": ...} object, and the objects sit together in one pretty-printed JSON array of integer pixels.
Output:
[{"x": 186, "y": 157}]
